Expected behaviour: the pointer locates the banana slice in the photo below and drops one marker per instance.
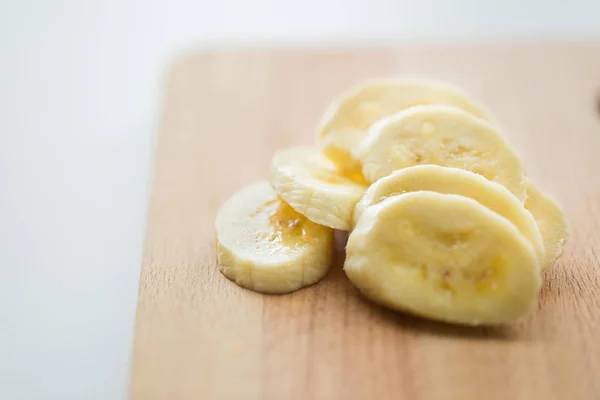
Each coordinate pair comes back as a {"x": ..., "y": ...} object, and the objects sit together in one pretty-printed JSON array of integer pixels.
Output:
[
  {"x": 445, "y": 257},
  {"x": 264, "y": 245},
  {"x": 551, "y": 221},
  {"x": 345, "y": 123},
  {"x": 455, "y": 181},
  {"x": 314, "y": 187},
  {"x": 445, "y": 136}
]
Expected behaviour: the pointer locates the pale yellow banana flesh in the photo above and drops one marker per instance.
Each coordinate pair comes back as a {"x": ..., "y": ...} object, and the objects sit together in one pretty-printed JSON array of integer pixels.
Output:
[
  {"x": 444, "y": 257},
  {"x": 347, "y": 120},
  {"x": 551, "y": 221},
  {"x": 455, "y": 181},
  {"x": 449, "y": 228},
  {"x": 315, "y": 187},
  {"x": 264, "y": 245},
  {"x": 444, "y": 136}
]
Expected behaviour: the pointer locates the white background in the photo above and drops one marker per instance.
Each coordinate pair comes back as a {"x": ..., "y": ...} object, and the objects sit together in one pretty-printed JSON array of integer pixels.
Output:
[{"x": 80, "y": 85}]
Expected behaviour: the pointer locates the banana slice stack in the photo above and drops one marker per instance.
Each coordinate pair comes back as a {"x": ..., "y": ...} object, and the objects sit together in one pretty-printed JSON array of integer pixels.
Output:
[{"x": 443, "y": 221}]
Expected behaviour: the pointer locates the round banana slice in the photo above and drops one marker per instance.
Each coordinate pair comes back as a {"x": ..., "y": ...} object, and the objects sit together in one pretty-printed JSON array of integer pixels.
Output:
[
  {"x": 445, "y": 136},
  {"x": 314, "y": 187},
  {"x": 444, "y": 257},
  {"x": 264, "y": 245},
  {"x": 346, "y": 121},
  {"x": 551, "y": 221},
  {"x": 455, "y": 181}
]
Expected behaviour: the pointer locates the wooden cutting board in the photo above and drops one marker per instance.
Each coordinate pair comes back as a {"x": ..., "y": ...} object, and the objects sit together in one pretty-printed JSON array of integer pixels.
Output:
[{"x": 199, "y": 336}]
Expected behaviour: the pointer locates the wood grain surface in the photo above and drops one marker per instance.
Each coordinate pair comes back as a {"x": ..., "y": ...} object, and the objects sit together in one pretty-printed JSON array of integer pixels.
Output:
[{"x": 199, "y": 336}]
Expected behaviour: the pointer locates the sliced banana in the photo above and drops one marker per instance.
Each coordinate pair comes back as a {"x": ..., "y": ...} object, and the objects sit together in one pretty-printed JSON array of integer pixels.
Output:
[
  {"x": 314, "y": 187},
  {"x": 440, "y": 135},
  {"x": 346, "y": 121},
  {"x": 551, "y": 221},
  {"x": 264, "y": 245},
  {"x": 445, "y": 257},
  {"x": 455, "y": 181}
]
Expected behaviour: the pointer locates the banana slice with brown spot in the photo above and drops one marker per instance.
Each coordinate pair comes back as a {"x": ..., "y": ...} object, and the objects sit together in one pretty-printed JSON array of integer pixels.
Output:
[{"x": 266, "y": 246}]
